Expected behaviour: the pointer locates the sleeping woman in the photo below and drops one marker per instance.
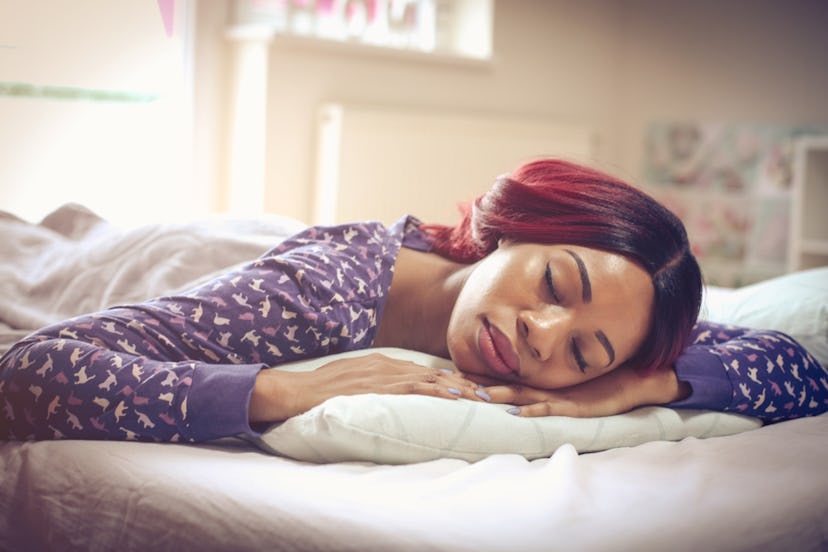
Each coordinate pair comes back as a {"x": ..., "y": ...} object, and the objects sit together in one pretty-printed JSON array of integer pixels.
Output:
[{"x": 562, "y": 291}]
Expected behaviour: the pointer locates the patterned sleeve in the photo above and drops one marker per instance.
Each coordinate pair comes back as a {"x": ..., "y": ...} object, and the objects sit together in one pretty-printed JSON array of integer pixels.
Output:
[
  {"x": 760, "y": 373},
  {"x": 182, "y": 368},
  {"x": 75, "y": 386}
]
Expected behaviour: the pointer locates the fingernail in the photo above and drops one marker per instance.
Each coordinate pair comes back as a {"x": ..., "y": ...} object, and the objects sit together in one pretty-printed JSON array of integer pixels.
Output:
[
  {"x": 483, "y": 395},
  {"x": 446, "y": 370},
  {"x": 454, "y": 391},
  {"x": 514, "y": 411}
]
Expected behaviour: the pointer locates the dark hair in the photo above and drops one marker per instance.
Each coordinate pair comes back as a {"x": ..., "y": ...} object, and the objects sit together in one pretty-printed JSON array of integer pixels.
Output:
[{"x": 559, "y": 202}]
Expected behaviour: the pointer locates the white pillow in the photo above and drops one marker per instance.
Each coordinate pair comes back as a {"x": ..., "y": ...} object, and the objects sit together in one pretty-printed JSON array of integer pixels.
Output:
[
  {"x": 796, "y": 304},
  {"x": 399, "y": 429}
]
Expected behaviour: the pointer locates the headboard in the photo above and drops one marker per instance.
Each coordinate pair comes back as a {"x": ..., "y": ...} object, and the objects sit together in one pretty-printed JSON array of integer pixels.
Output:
[{"x": 380, "y": 162}]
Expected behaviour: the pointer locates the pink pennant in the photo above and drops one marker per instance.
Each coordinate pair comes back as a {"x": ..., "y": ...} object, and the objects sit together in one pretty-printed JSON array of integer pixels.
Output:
[{"x": 167, "y": 8}]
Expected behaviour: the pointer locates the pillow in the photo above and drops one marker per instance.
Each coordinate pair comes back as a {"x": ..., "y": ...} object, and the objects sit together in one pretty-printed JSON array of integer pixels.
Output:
[
  {"x": 399, "y": 429},
  {"x": 796, "y": 304}
]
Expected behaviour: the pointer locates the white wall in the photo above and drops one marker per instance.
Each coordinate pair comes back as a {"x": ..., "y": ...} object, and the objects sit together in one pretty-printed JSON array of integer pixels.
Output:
[
  {"x": 763, "y": 61},
  {"x": 95, "y": 108},
  {"x": 555, "y": 60},
  {"x": 611, "y": 65}
]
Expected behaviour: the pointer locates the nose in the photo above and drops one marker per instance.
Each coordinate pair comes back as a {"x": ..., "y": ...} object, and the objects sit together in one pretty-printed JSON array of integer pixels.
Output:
[{"x": 544, "y": 330}]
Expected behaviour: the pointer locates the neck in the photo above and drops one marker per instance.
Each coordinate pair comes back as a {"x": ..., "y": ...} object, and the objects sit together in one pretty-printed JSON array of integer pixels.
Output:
[{"x": 422, "y": 296}]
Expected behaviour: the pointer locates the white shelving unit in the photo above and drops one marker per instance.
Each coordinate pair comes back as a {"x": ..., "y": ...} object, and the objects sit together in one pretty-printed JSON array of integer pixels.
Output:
[{"x": 808, "y": 246}]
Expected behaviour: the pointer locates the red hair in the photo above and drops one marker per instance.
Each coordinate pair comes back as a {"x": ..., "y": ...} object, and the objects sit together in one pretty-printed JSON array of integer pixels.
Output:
[{"x": 557, "y": 202}]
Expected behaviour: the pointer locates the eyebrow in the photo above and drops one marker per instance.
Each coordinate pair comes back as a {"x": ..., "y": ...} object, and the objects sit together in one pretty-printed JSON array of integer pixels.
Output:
[
  {"x": 586, "y": 287},
  {"x": 586, "y": 295},
  {"x": 604, "y": 340}
]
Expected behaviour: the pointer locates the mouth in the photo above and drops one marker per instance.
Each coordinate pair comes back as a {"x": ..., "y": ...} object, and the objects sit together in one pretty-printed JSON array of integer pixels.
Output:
[{"x": 497, "y": 351}]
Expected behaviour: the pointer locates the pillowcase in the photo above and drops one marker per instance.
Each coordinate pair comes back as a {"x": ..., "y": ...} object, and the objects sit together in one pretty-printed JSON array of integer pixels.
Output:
[
  {"x": 796, "y": 304},
  {"x": 399, "y": 429}
]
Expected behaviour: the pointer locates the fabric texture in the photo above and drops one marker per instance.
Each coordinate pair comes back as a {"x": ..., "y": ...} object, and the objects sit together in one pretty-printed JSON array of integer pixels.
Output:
[
  {"x": 73, "y": 262},
  {"x": 797, "y": 302},
  {"x": 394, "y": 429},
  {"x": 758, "y": 490}
]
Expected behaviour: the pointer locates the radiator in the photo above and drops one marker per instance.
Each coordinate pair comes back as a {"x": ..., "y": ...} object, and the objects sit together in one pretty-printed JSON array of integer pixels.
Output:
[{"x": 378, "y": 163}]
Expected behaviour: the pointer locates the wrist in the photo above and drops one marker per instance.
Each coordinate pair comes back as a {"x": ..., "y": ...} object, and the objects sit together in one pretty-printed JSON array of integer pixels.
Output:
[
  {"x": 271, "y": 399},
  {"x": 673, "y": 389}
]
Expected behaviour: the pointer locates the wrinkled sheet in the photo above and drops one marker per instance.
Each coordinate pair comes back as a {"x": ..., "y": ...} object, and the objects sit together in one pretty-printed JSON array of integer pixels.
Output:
[
  {"x": 760, "y": 490},
  {"x": 765, "y": 489},
  {"x": 73, "y": 262}
]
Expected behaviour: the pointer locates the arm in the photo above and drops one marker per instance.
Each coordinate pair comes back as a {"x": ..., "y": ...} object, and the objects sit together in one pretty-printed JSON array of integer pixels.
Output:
[
  {"x": 760, "y": 373},
  {"x": 64, "y": 388},
  {"x": 59, "y": 388}
]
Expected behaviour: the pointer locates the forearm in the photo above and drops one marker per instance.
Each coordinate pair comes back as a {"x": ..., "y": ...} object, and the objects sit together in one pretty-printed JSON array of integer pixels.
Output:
[
  {"x": 760, "y": 373},
  {"x": 70, "y": 389}
]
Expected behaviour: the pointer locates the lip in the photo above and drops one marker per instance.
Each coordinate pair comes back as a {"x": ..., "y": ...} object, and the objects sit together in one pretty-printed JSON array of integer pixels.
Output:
[{"x": 497, "y": 351}]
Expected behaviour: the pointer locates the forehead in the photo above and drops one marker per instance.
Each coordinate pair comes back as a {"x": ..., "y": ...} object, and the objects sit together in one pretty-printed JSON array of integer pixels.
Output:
[{"x": 598, "y": 263}]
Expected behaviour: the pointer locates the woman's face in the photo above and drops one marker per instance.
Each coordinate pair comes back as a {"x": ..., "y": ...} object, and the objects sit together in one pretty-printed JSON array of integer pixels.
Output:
[{"x": 549, "y": 316}]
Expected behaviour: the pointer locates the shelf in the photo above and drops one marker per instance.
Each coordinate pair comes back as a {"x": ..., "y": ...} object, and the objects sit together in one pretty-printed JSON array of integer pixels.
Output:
[{"x": 809, "y": 225}]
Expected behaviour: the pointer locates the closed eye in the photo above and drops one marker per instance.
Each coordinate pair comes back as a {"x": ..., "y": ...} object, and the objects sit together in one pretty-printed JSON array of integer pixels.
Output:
[
  {"x": 550, "y": 283},
  {"x": 579, "y": 357}
]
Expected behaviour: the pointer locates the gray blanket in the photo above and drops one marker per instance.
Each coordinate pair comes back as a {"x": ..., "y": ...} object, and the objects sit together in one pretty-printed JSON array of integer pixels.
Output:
[{"x": 74, "y": 262}]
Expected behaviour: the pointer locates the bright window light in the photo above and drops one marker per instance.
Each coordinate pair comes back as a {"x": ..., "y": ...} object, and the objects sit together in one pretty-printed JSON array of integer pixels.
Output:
[{"x": 460, "y": 28}]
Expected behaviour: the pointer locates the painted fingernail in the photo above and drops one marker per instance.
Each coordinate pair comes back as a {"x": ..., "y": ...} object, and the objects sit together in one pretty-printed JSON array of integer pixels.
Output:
[
  {"x": 454, "y": 391},
  {"x": 514, "y": 411},
  {"x": 483, "y": 395},
  {"x": 446, "y": 370}
]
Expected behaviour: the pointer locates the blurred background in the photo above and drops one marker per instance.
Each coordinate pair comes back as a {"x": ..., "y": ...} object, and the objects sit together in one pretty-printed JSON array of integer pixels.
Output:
[{"x": 331, "y": 110}]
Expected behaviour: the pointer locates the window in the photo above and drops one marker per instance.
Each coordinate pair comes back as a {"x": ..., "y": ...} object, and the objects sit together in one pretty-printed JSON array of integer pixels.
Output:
[{"x": 460, "y": 28}]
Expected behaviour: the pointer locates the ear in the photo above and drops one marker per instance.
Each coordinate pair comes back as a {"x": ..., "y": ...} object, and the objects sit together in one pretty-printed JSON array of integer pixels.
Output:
[{"x": 504, "y": 242}]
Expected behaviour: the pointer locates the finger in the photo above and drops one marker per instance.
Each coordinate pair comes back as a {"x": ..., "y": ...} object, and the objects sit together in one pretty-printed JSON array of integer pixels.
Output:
[
  {"x": 460, "y": 385},
  {"x": 545, "y": 408},
  {"x": 437, "y": 383},
  {"x": 504, "y": 394},
  {"x": 516, "y": 394},
  {"x": 405, "y": 369},
  {"x": 571, "y": 409}
]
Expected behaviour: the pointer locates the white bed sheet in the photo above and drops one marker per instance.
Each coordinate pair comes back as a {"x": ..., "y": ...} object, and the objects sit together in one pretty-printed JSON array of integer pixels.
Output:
[{"x": 761, "y": 490}]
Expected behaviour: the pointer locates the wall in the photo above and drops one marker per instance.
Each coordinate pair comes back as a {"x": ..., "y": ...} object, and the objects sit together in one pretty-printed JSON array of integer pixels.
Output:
[
  {"x": 553, "y": 59},
  {"x": 736, "y": 61},
  {"x": 614, "y": 65},
  {"x": 95, "y": 108},
  {"x": 750, "y": 69},
  {"x": 211, "y": 67}
]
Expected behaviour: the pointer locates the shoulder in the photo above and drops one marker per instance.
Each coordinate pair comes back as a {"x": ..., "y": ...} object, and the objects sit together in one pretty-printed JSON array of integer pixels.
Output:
[{"x": 334, "y": 237}]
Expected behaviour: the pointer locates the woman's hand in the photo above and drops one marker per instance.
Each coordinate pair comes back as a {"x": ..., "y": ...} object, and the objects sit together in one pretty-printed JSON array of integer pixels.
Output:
[
  {"x": 279, "y": 395},
  {"x": 613, "y": 393}
]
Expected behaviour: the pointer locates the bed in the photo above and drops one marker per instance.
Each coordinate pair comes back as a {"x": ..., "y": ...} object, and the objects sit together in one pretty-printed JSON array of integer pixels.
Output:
[{"x": 655, "y": 479}]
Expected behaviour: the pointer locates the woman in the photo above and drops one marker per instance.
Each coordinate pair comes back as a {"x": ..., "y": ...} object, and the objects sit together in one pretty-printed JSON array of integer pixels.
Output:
[{"x": 562, "y": 291}]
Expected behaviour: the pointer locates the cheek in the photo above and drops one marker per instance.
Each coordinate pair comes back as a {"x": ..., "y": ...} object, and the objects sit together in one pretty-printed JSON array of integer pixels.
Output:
[
  {"x": 461, "y": 340},
  {"x": 458, "y": 330}
]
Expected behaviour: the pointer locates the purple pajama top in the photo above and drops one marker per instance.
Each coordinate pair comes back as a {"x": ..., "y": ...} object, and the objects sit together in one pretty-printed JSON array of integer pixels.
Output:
[{"x": 182, "y": 368}]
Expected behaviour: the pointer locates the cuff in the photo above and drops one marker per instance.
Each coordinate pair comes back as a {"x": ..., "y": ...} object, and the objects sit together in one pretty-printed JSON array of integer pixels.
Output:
[
  {"x": 219, "y": 399},
  {"x": 703, "y": 370}
]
